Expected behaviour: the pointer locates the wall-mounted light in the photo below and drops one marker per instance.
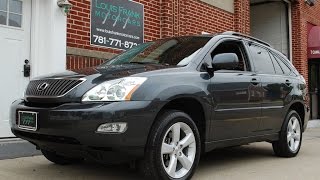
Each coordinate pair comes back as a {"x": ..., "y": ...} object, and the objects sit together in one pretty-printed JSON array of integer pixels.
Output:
[
  {"x": 65, "y": 6},
  {"x": 310, "y": 2}
]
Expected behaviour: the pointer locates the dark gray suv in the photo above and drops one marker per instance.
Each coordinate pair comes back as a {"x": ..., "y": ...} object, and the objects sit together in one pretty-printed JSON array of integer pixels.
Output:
[{"x": 163, "y": 103}]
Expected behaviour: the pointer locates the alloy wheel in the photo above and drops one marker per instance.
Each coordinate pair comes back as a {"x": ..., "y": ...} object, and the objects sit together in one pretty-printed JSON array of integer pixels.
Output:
[
  {"x": 178, "y": 150},
  {"x": 294, "y": 134}
]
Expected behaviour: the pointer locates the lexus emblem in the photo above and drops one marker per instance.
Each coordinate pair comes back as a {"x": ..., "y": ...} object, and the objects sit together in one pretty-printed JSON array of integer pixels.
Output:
[{"x": 43, "y": 86}]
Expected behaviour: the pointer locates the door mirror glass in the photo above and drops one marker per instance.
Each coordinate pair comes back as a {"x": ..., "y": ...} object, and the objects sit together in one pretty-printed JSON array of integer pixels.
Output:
[{"x": 226, "y": 61}]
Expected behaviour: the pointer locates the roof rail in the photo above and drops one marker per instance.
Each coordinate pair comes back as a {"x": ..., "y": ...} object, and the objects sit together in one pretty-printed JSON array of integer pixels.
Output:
[{"x": 246, "y": 36}]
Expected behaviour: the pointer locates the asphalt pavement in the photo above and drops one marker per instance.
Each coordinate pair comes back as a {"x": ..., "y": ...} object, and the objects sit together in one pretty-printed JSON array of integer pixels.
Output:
[{"x": 254, "y": 161}]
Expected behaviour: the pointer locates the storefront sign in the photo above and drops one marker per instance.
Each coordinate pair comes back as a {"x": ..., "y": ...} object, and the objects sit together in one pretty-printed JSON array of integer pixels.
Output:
[
  {"x": 314, "y": 42},
  {"x": 117, "y": 24},
  {"x": 314, "y": 53}
]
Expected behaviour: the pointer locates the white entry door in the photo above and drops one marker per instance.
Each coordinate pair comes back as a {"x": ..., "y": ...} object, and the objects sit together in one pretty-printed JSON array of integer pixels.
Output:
[{"x": 15, "y": 22}]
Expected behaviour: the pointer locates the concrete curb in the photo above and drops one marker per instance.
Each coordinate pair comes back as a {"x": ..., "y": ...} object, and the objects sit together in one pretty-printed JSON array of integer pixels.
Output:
[{"x": 314, "y": 124}]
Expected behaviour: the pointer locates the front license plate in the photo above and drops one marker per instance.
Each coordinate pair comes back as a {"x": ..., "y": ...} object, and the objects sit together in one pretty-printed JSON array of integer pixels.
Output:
[{"x": 28, "y": 120}]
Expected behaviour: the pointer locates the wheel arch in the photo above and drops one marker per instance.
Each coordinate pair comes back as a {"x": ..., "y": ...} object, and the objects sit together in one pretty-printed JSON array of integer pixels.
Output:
[
  {"x": 300, "y": 109},
  {"x": 192, "y": 106}
]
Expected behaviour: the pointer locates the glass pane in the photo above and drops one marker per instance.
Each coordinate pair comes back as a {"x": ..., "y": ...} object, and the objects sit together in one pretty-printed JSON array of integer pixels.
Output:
[
  {"x": 15, "y": 20},
  {"x": 3, "y": 18},
  {"x": 15, "y": 6},
  {"x": 3, "y": 5},
  {"x": 173, "y": 51},
  {"x": 284, "y": 67},
  {"x": 262, "y": 60},
  {"x": 276, "y": 65}
]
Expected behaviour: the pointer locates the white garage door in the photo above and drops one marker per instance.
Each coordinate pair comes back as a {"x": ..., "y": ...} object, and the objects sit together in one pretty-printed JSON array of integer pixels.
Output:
[
  {"x": 270, "y": 22},
  {"x": 15, "y": 20}
]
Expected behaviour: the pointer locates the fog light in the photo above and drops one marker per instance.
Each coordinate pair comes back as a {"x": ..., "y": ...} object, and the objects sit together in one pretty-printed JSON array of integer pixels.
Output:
[{"x": 112, "y": 128}]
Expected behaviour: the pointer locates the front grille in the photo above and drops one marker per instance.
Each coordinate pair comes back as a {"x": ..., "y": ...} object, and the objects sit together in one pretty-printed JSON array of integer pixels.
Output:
[{"x": 55, "y": 88}]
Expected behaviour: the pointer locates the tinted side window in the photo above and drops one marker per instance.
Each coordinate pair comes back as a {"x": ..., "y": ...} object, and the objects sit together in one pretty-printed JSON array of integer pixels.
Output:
[
  {"x": 276, "y": 65},
  {"x": 284, "y": 67},
  {"x": 261, "y": 60}
]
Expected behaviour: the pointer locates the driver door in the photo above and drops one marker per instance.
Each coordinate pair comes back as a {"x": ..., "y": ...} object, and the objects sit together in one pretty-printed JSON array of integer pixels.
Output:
[{"x": 236, "y": 95}]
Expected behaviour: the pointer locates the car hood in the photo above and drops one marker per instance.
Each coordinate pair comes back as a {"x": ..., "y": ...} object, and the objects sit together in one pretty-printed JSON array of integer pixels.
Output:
[
  {"x": 92, "y": 77},
  {"x": 107, "y": 72}
]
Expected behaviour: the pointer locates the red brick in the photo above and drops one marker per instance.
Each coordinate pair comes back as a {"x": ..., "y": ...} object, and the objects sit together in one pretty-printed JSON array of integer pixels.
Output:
[{"x": 164, "y": 18}]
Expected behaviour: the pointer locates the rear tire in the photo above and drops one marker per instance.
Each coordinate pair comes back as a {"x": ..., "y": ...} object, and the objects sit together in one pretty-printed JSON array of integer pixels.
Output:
[
  {"x": 57, "y": 159},
  {"x": 290, "y": 137},
  {"x": 173, "y": 147}
]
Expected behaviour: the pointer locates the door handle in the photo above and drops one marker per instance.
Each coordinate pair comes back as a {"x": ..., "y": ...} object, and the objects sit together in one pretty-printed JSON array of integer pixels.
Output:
[
  {"x": 254, "y": 81},
  {"x": 26, "y": 68},
  {"x": 288, "y": 83}
]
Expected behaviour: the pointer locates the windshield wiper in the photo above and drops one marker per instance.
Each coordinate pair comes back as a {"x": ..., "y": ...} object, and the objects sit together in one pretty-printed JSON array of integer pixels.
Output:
[
  {"x": 140, "y": 63},
  {"x": 160, "y": 64}
]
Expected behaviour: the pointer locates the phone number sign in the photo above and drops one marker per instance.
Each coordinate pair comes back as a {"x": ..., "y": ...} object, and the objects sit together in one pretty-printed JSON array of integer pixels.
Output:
[{"x": 117, "y": 24}]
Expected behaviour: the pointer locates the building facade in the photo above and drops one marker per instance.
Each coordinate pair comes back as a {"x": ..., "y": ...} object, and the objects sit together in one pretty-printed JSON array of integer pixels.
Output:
[
  {"x": 38, "y": 35},
  {"x": 162, "y": 19}
]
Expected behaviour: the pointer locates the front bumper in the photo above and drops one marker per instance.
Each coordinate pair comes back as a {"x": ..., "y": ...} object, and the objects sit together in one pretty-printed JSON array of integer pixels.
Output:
[{"x": 70, "y": 129}]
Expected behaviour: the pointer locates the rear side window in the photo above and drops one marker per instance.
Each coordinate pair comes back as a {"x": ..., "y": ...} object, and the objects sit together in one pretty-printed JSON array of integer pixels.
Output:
[
  {"x": 261, "y": 60},
  {"x": 284, "y": 67},
  {"x": 276, "y": 65}
]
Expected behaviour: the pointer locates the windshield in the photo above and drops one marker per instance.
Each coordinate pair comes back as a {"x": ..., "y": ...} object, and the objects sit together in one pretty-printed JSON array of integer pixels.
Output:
[{"x": 171, "y": 52}]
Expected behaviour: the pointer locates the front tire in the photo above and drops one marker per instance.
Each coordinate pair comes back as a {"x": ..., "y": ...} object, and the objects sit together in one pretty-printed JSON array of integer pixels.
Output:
[
  {"x": 57, "y": 159},
  {"x": 290, "y": 136},
  {"x": 173, "y": 149}
]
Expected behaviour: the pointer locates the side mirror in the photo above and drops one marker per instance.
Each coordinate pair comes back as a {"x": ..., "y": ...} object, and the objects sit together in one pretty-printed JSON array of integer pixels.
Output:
[{"x": 225, "y": 61}]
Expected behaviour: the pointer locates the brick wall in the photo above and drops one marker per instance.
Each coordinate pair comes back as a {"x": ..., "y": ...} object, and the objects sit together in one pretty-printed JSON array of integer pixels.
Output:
[
  {"x": 242, "y": 16},
  {"x": 164, "y": 18},
  {"x": 302, "y": 14},
  {"x": 80, "y": 62},
  {"x": 186, "y": 17}
]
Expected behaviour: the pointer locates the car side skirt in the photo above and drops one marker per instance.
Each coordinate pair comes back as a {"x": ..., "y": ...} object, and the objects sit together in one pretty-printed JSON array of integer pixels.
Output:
[{"x": 209, "y": 146}]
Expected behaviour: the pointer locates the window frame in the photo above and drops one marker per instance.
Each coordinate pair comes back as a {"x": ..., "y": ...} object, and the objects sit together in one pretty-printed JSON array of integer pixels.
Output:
[
  {"x": 247, "y": 64},
  {"x": 293, "y": 71},
  {"x": 249, "y": 44},
  {"x": 8, "y": 12},
  {"x": 274, "y": 60}
]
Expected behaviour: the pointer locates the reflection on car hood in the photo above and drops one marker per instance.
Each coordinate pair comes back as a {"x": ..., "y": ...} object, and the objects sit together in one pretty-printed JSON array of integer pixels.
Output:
[{"x": 110, "y": 72}]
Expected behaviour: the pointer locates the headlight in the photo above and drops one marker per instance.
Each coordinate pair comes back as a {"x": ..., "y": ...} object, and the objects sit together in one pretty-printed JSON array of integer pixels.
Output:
[{"x": 115, "y": 90}]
